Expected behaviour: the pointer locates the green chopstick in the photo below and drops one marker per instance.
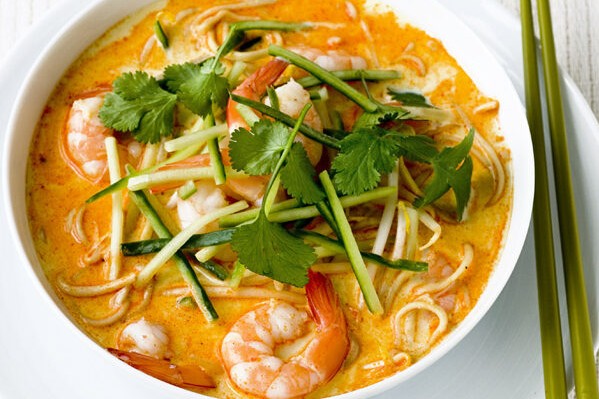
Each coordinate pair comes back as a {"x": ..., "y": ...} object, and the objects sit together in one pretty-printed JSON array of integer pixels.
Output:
[
  {"x": 554, "y": 372},
  {"x": 583, "y": 359}
]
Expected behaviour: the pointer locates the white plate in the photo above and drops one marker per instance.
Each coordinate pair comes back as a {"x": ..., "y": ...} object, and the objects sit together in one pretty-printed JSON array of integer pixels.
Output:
[{"x": 500, "y": 357}]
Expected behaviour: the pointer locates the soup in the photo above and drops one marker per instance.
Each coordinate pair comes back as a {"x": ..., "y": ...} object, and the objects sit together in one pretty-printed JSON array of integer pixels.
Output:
[{"x": 395, "y": 194}]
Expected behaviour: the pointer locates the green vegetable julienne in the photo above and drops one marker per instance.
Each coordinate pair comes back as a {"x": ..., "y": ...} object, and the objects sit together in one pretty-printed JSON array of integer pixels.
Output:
[{"x": 160, "y": 34}]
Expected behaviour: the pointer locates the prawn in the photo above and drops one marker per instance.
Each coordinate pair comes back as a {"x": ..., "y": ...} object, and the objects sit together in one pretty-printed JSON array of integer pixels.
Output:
[
  {"x": 144, "y": 338},
  {"x": 250, "y": 188},
  {"x": 332, "y": 60},
  {"x": 206, "y": 199},
  {"x": 248, "y": 349},
  {"x": 144, "y": 346},
  {"x": 292, "y": 98},
  {"x": 254, "y": 88},
  {"x": 83, "y": 134},
  {"x": 184, "y": 376}
]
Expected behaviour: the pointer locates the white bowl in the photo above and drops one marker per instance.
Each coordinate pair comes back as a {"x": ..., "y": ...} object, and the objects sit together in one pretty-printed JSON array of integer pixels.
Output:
[{"x": 438, "y": 22}]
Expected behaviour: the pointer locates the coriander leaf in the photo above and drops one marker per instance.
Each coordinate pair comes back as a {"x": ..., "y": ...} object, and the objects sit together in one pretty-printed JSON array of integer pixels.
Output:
[
  {"x": 298, "y": 175},
  {"x": 257, "y": 152},
  {"x": 198, "y": 87},
  {"x": 452, "y": 168},
  {"x": 418, "y": 148},
  {"x": 384, "y": 114},
  {"x": 409, "y": 98},
  {"x": 460, "y": 182},
  {"x": 372, "y": 119},
  {"x": 268, "y": 249},
  {"x": 139, "y": 105},
  {"x": 364, "y": 155}
]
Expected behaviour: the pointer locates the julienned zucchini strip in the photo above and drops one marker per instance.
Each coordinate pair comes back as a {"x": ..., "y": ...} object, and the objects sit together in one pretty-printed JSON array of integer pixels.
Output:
[
  {"x": 196, "y": 241},
  {"x": 199, "y": 294},
  {"x": 288, "y": 211},
  {"x": 351, "y": 247},
  {"x": 325, "y": 76},
  {"x": 336, "y": 246},
  {"x": 224, "y": 236},
  {"x": 353, "y": 74},
  {"x": 175, "y": 244},
  {"x": 288, "y": 120},
  {"x": 122, "y": 183}
]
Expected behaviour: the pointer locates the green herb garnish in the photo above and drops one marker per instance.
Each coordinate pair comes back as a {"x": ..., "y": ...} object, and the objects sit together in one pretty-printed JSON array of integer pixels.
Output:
[
  {"x": 368, "y": 153},
  {"x": 199, "y": 87},
  {"x": 452, "y": 169},
  {"x": 409, "y": 98},
  {"x": 265, "y": 247},
  {"x": 139, "y": 105},
  {"x": 257, "y": 152},
  {"x": 298, "y": 177}
]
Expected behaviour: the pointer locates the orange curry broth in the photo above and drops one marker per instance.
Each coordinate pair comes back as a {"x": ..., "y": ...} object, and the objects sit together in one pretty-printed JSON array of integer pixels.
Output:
[{"x": 53, "y": 190}]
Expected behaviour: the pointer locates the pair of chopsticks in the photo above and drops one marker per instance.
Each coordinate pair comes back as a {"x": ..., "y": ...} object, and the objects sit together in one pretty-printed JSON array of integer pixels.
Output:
[{"x": 583, "y": 359}]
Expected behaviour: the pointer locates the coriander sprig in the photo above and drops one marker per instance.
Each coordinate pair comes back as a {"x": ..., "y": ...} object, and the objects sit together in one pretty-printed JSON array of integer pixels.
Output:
[
  {"x": 139, "y": 105},
  {"x": 452, "y": 169},
  {"x": 369, "y": 152},
  {"x": 258, "y": 152},
  {"x": 267, "y": 248}
]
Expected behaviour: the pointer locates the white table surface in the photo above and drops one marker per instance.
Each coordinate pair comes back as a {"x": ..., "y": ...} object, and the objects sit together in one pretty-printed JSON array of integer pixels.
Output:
[{"x": 576, "y": 25}]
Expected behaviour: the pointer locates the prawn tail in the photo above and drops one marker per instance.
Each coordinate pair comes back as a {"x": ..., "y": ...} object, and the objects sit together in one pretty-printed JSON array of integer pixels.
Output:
[
  {"x": 264, "y": 76},
  {"x": 323, "y": 301},
  {"x": 253, "y": 88},
  {"x": 182, "y": 376}
]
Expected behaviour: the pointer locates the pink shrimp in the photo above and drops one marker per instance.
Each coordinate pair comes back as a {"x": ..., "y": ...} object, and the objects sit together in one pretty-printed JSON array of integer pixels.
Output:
[
  {"x": 332, "y": 60},
  {"x": 82, "y": 141},
  {"x": 254, "y": 87},
  {"x": 249, "y": 188},
  {"x": 248, "y": 349},
  {"x": 183, "y": 376},
  {"x": 292, "y": 98}
]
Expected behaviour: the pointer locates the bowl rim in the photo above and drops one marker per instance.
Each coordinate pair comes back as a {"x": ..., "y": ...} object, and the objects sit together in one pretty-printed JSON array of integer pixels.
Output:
[{"x": 524, "y": 178}]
